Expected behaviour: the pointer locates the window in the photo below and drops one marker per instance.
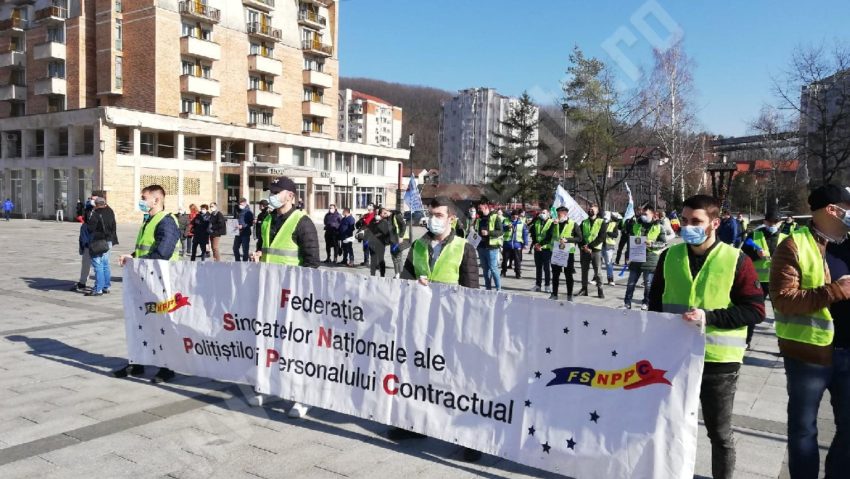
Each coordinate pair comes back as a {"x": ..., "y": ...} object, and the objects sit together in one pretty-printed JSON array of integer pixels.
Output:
[
  {"x": 314, "y": 64},
  {"x": 55, "y": 103},
  {"x": 262, "y": 49},
  {"x": 365, "y": 165},
  {"x": 196, "y": 106},
  {"x": 37, "y": 191},
  {"x": 119, "y": 34},
  {"x": 119, "y": 7},
  {"x": 320, "y": 160},
  {"x": 313, "y": 125},
  {"x": 342, "y": 161},
  {"x": 342, "y": 196},
  {"x": 314, "y": 95},
  {"x": 322, "y": 196},
  {"x": 196, "y": 68},
  {"x": 56, "y": 69},
  {"x": 380, "y": 166},
  {"x": 18, "y": 108},
  {"x": 364, "y": 196},
  {"x": 263, "y": 83},
  {"x": 260, "y": 117},
  {"x": 206, "y": 107},
  {"x": 188, "y": 67},
  {"x": 298, "y": 157},
  {"x": 197, "y": 31},
  {"x": 56, "y": 34},
  {"x": 119, "y": 72}
]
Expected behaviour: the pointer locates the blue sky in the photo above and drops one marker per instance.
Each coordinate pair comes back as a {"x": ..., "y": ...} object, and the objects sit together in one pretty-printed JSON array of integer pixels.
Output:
[{"x": 516, "y": 45}]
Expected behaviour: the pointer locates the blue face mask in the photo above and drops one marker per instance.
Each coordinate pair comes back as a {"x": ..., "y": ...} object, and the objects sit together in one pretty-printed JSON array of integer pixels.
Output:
[
  {"x": 143, "y": 206},
  {"x": 772, "y": 229},
  {"x": 694, "y": 235}
]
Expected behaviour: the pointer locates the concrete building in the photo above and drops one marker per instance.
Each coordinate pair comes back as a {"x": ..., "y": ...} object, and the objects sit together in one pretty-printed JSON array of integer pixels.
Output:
[
  {"x": 467, "y": 129},
  {"x": 210, "y": 98},
  {"x": 368, "y": 120}
]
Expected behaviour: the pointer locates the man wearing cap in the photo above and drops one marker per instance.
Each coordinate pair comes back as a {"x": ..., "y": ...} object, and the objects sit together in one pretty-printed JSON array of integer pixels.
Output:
[
  {"x": 565, "y": 234},
  {"x": 714, "y": 286},
  {"x": 760, "y": 246},
  {"x": 288, "y": 237},
  {"x": 809, "y": 287},
  {"x": 258, "y": 224}
]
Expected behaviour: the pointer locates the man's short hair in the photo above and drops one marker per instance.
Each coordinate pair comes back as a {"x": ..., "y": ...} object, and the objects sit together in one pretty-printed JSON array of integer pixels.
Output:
[
  {"x": 648, "y": 207},
  {"x": 243, "y": 200},
  {"x": 443, "y": 201},
  {"x": 154, "y": 189},
  {"x": 704, "y": 202}
]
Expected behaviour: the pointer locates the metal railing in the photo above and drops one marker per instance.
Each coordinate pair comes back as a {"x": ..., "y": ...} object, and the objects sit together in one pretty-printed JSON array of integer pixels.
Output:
[
  {"x": 53, "y": 11},
  {"x": 312, "y": 17},
  {"x": 198, "y": 9},
  {"x": 317, "y": 46},
  {"x": 256, "y": 28},
  {"x": 270, "y": 3}
]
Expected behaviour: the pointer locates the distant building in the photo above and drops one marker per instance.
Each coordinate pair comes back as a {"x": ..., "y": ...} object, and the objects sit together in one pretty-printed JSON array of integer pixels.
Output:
[
  {"x": 368, "y": 120},
  {"x": 467, "y": 129},
  {"x": 825, "y": 125}
]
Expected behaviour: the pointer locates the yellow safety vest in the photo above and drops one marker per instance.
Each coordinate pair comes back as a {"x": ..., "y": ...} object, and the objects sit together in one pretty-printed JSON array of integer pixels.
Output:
[
  {"x": 590, "y": 230},
  {"x": 708, "y": 291},
  {"x": 540, "y": 232},
  {"x": 446, "y": 268},
  {"x": 763, "y": 264},
  {"x": 493, "y": 240},
  {"x": 612, "y": 227},
  {"x": 566, "y": 232},
  {"x": 145, "y": 240},
  {"x": 281, "y": 250},
  {"x": 406, "y": 234},
  {"x": 816, "y": 327}
]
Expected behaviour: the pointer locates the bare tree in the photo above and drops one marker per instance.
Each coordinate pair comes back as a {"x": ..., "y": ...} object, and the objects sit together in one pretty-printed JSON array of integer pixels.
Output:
[
  {"x": 779, "y": 146},
  {"x": 816, "y": 85},
  {"x": 668, "y": 96}
]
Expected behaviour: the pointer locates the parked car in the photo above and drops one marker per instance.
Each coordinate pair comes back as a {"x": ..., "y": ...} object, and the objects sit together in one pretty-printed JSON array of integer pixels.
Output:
[
  {"x": 802, "y": 220},
  {"x": 419, "y": 217}
]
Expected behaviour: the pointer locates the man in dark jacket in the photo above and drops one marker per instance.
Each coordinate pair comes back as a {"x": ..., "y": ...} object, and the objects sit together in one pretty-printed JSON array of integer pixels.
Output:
[
  {"x": 218, "y": 228},
  {"x": 332, "y": 220},
  {"x": 626, "y": 227},
  {"x": 101, "y": 226},
  {"x": 489, "y": 227},
  {"x": 346, "y": 237},
  {"x": 378, "y": 235},
  {"x": 399, "y": 240},
  {"x": 242, "y": 241},
  {"x": 261, "y": 215},
  {"x": 728, "y": 231}
]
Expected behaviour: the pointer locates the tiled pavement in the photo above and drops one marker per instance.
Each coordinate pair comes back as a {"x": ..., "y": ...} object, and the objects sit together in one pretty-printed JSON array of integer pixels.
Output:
[{"x": 62, "y": 415}]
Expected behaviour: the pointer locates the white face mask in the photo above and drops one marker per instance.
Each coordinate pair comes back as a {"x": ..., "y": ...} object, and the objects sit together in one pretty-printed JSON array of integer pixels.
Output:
[
  {"x": 204, "y": 212},
  {"x": 436, "y": 226},
  {"x": 213, "y": 208}
]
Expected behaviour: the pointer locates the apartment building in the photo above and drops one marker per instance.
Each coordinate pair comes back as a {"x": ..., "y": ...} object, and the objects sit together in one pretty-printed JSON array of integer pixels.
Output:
[
  {"x": 468, "y": 128},
  {"x": 368, "y": 120},
  {"x": 210, "y": 98}
]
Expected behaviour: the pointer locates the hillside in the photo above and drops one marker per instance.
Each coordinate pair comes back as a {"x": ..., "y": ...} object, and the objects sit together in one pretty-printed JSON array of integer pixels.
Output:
[{"x": 422, "y": 109}]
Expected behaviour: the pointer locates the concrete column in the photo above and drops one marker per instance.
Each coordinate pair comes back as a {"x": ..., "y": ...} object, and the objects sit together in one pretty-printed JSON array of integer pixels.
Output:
[
  {"x": 74, "y": 138},
  {"x": 216, "y": 174},
  {"x": 179, "y": 140},
  {"x": 27, "y": 137},
  {"x": 137, "y": 142}
]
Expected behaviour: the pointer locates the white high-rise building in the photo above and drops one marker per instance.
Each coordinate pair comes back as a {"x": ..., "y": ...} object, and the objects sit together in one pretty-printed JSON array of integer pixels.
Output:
[
  {"x": 468, "y": 126},
  {"x": 368, "y": 120}
]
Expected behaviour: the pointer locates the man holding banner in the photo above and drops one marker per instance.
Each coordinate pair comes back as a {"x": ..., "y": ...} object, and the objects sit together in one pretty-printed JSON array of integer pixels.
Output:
[
  {"x": 715, "y": 286},
  {"x": 289, "y": 237},
  {"x": 566, "y": 234}
]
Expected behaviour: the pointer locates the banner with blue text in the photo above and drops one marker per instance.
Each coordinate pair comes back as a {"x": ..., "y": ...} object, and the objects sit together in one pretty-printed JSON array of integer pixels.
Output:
[{"x": 580, "y": 390}]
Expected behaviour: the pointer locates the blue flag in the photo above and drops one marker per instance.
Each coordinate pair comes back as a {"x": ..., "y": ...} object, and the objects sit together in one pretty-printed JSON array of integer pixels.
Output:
[{"x": 411, "y": 196}]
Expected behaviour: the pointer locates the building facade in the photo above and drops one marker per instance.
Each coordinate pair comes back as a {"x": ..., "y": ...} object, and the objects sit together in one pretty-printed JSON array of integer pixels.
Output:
[
  {"x": 368, "y": 120},
  {"x": 468, "y": 127},
  {"x": 210, "y": 98}
]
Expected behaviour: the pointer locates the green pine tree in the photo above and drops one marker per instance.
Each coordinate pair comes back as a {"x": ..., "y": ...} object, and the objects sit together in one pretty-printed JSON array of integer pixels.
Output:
[{"x": 512, "y": 166}]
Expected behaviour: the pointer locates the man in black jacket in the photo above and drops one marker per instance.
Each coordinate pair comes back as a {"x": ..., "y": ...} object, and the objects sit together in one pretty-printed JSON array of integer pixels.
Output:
[
  {"x": 242, "y": 241},
  {"x": 261, "y": 215},
  {"x": 218, "y": 228},
  {"x": 102, "y": 228},
  {"x": 378, "y": 234}
]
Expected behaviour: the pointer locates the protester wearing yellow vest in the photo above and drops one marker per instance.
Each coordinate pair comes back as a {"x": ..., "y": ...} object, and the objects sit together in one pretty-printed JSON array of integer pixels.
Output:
[
  {"x": 649, "y": 227},
  {"x": 489, "y": 228},
  {"x": 712, "y": 285},
  {"x": 760, "y": 245},
  {"x": 399, "y": 240},
  {"x": 809, "y": 287},
  {"x": 593, "y": 237},
  {"x": 565, "y": 234},
  {"x": 541, "y": 240},
  {"x": 288, "y": 237},
  {"x": 440, "y": 256},
  {"x": 610, "y": 245},
  {"x": 157, "y": 239},
  {"x": 516, "y": 237}
]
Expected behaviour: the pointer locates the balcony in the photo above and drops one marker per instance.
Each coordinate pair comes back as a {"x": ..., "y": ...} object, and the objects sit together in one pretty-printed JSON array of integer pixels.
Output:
[
  {"x": 264, "y": 98},
  {"x": 317, "y": 47},
  {"x": 196, "y": 9},
  {"x": 197, "y": 47},
  {"x": 312, "y": 19},
  {"x": 261, "y": 4},
  {"x": 321, "y": 3},
  {"x": 13, "y": 93},
  {"x": 50, "y": 86},
  {"x": 313, "y": 108},
  {"x": 265, "y": 31},
  {"x": 51, "y": 14},
  {"x": 12, "y": 58},
  {"x": 199, "y": 86},
  {"x": 321, "y": 79},
  {"x": 264, "y": 126},
  {"x": 13, "y": 24},
  {"x": 270, "y": 66},
  {"x": 49, "y": 51}
]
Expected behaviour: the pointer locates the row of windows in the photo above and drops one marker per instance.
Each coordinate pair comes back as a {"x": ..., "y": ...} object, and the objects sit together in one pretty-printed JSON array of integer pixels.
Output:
[{"x": 320, "y": 159}]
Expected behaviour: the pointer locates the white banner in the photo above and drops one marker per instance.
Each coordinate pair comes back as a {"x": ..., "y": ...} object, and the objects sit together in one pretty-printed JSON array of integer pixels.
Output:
[
  {"x": 581, "y": 390},
  {"x": 563, "y": 198},
  {"x": 637, "y": 249}
]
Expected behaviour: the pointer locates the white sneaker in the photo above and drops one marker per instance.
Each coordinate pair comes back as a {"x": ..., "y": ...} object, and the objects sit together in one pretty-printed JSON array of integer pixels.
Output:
[
  {"x": 298, "y": 410},
  {"x": 644, "y": 307},
  {"x": 611, "y": 283},
  {"x": 259, "y": 400},
  {"x": 535, "y": 289},
  {"x": 547, "y": 289}
]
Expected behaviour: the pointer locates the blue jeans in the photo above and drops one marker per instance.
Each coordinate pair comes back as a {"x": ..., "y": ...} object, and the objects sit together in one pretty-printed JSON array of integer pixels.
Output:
[
  {"x": 608, "y": 260},
  {"x": 634, "y": 275},
  {"x": 489, "y": 263},
  {"x": 241, "y": 243},
  {"x": 806, "y": 384},
  {"x": 102, "y": 271}
]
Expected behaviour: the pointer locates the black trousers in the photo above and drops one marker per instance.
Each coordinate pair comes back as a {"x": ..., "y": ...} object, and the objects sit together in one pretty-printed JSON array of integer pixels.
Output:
[
  {"x": 594, "y": 258},
  {"x": 568, "y": 276},
  {"x": 542, "y": 262},
  {"x": 202, "y": 243},
  {"x": 331, "y": 243},
  {"x": 717, "y": 397},
  {"x": 624, "y": 241},
  {"x": 510, "y": 255},
  {"x": 377, "y": 259}
]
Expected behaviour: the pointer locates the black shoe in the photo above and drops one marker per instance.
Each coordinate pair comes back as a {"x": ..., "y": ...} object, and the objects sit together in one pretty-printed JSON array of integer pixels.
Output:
[
  {"x": 105, "y": 290},
  {"x": 570, "y": 298},
  {"x": 130, "y": 369},
  {"x": 163, "y": 376},
  {"x": 553, "y": 296},
  {"x": 398, "y": 434},
  {"x": 340, "y": 262},
  {"x": 583, "y": 292},
  {"x": 471, "y": 455},
  {"x": 78, "y": 287},
  {"x": 94, "y": 293},
  {"x": 627, "y": 306},
  {"x": 601, "y": 294}
]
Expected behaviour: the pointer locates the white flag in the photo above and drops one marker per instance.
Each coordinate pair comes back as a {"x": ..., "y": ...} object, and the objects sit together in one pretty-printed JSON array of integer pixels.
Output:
[
  {"x": 411, "y": 196},
  {"x": 630, "y": 208},
  {"x": 562, "y": 198}
]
